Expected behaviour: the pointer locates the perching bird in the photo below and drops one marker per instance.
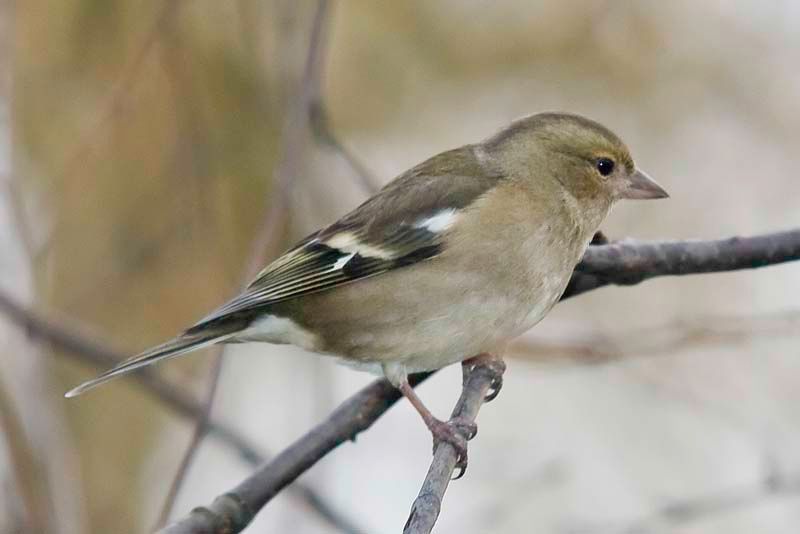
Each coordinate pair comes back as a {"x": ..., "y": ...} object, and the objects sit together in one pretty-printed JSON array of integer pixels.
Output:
[{"x": 451, "y": 260}]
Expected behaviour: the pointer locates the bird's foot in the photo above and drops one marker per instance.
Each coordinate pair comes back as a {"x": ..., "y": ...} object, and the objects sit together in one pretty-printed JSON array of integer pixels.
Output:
[
  {"x": 455, "y": 432},
  {"x": 494, "y": 365}
]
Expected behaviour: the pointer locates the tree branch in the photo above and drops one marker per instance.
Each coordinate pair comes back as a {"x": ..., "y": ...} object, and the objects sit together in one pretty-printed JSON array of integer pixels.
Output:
[
  {"x": 267, "y": 237},
  {"x": 631, "y": 261},
  {"x": 667, "y": 338},
  {"x": 84, "y": 348},
  {"x": 428, "y": 503},
  {"x": 684, "y": 512},
  {"x": 623, "y": 263},
  {"x": 192, "y": 156},
  {"x": 233, "y": 511},
  {"x": 324, "y": 136},
  {"x": 294, "y": 135}
]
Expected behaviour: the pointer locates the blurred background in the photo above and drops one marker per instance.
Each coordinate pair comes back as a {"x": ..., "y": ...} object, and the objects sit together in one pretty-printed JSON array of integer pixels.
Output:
[{"x": 151, "y": 151}]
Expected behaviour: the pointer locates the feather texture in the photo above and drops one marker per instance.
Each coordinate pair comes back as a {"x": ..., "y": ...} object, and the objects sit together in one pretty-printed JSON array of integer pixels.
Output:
[
  {"x": 455, "y": 257},
  {"x": 172, "y": 348},
  {"x": 405, "y": 223},
  {"x": 316, "y": 265}
]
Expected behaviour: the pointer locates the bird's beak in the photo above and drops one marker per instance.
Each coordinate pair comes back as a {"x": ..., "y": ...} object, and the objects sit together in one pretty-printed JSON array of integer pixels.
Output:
[{"x": 639, "y": 186}]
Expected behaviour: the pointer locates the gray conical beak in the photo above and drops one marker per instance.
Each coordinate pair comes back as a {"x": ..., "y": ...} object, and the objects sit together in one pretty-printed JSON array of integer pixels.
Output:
[{"x": 639, "y": 186}]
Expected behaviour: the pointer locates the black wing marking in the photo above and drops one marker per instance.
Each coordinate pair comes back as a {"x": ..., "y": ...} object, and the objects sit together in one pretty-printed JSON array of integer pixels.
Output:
[
  {"x": 402, "y": 224},
  {"x": 315, "y": 265}
]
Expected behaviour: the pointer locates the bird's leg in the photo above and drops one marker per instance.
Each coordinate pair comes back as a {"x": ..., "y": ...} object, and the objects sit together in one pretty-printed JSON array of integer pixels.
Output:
[
  {"x": 495, "y": 364},
  {"x": 455, "y": 432}
]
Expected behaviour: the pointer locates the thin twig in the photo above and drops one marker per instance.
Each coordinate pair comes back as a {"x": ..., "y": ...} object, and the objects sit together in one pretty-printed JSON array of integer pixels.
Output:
[
  {"x": 264, "y": 246},
  {"x": 232, "y": 511},
  {"x": 294, "y": 138},
  {"x": 116, "y": 100},
  {"x": 17, "y": 205},
  {"x": 668, "y": 338},
  {"x": 314, "y": 111},
  {"x": 323, "y": 134},
  {"x": 85, "y": 348},
  {"x": 266, "y": 238},
  {"x": 428, "y": 503},
  {"x": 191, "y": 135},
  {"x": 37, "y": 515},
  {"x": 201, "y": 428}
]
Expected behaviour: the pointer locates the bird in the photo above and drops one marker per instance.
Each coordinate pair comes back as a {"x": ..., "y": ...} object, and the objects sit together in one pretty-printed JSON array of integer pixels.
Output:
[{"x": 447, "y": 263}]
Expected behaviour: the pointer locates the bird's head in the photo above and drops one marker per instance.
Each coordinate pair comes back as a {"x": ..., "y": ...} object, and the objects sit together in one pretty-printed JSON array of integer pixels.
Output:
[{"x": 585, "y": 157}]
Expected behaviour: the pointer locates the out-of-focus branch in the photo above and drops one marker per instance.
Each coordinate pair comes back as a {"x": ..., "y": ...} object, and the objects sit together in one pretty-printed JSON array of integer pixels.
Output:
[
  {"x": 36, "y": 514},
  {"x": 602, "y": 265},
  {"x": 692, "y": 510},
  {"x": 84, "y": 348},
  {"x": 428, "y": 503},
  {"x": 294, "y": 139},
  {"x": 668, "y": 338},
  {"x": 233, "y": 511},
  {"x": 323, "y": 133},
  {"x": 264, "y": 245},
  {"x": 193, "y": 154},
  {"x": 315, "y": 114},
  {"x": 116, "y": 100},
  {"x": 202, "y": 425}
]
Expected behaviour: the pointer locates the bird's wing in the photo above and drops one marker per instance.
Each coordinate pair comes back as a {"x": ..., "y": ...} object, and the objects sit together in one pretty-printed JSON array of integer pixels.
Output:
[{"x": 403, "y": 224}]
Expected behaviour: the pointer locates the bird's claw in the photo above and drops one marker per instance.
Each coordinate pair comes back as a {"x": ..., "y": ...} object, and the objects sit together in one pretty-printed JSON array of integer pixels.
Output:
[
  {"x": 497, "y": 368},
  {"x": 465, "y": 427},
  {"x": 455, "y": 432},
  {"x": 599, "y": 238}
]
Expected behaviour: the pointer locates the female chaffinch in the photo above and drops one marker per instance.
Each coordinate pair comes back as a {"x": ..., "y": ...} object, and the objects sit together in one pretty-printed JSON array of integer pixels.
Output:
[{"x": 450, "y": 260}]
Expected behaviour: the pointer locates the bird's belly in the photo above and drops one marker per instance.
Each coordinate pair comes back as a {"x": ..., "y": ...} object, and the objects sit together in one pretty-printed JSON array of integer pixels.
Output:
[{"x": 373, "y": 323}]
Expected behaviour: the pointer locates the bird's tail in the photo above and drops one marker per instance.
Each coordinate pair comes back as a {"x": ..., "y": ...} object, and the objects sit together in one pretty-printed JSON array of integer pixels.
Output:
[{"x": 175, "y": 347}]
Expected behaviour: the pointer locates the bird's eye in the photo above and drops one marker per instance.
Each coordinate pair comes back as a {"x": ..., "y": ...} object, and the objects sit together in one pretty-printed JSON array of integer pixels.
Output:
[{"x": 605, "y": 166}]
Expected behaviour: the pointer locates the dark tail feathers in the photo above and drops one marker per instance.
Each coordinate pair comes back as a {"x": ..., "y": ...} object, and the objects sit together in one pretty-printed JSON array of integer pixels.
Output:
[{"x": 180, "y": 345}]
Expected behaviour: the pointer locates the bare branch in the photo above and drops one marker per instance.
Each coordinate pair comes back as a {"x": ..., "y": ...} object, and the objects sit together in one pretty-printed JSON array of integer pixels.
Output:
[
  {"x": 631, "y": 261},
  {"x": 201, "y": 428},
  {"x": 294, "y": 138},
  {"x": 36, "y": 514},
  {"x": 194, "y": 140},
  {"x": 323, "y": 134},
  {"x": 602, "y": 265},
  {"x": 267, "y": 237},
  {"x": 668, "y": 338},
  {"x": 233, "y": 511},
  {"x": 85, "y": 349},
  {"x": 428, "y": 503}
]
